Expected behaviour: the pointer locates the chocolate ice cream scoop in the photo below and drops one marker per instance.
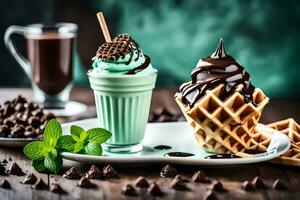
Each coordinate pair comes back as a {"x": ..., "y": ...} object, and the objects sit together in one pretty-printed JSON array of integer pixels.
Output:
[{"x": 219, "y": 68}]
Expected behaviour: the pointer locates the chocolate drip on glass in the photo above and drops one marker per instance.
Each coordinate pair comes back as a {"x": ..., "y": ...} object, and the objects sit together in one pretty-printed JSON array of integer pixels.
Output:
[{"x": 212, "y": 71}]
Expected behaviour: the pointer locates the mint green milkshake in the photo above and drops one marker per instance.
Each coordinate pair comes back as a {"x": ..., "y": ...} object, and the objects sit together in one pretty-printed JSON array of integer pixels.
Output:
[{"x": 122, "y": 79}]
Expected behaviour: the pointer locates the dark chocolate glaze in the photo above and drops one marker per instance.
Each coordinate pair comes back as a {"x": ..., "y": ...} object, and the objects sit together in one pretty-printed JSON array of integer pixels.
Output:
[
  {"x": 178, "y": 154},
  {"x": 162, "y": 147},
  {"x": 253, "y": 151},
  {"x": 212, "y": 71},
  {"x": 222, "y": 156}
]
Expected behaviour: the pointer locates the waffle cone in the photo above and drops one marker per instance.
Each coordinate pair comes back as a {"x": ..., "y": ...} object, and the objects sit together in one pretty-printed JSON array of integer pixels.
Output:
[
  {"x": 225, "y": 127},
  {"x": 292, "y": 129}
]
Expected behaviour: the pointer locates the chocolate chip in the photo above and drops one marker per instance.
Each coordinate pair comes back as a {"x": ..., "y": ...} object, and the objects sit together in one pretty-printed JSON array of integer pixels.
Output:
[
  {"x": 200, "y": 177},
  {"x": 247, "y": 186},
  {"x": 20, "y": 107},
  {"x": 30, "y": 179},
  {"x": 258, "y": 183},
  {"x": 94, "y": 173},
  {"x": 8, "y": 122},
  {"x": 20, "y": 99},
  {"x": 129, "y": 190},
  {"x": 49, "y": 116},
  {"x": 141, "y": 182},
  {"x": 56, "y": 188},
  {"x": 30, "y": 134},
  {"x": 109, "y": 172},
  {"x": 4, "y": 130},
  {"x": 40, "y": 185},
  {"x": 4, "y": 161},
  {"x": 38, "y": 113},
  {"x": 17, "y": 131},
  {"x": 155, "y": 190},
  {"x": 15, "y": 170},
  {"x": 168, "y": 171},
  {"x": 210, "y": 195},
  {"x": 72, "y": 173},
  {"x": 217, "y": 186},
  {"x": 183, "y": 179},
  {"x": 85, "y": 183},
  {"x": 2, "y": 169},
  {"x": 178, "y": 184},
  {"x": 34, "y": 121},
  {"x": 278, "y": 185},
  {"x": 5, "y": 184}
]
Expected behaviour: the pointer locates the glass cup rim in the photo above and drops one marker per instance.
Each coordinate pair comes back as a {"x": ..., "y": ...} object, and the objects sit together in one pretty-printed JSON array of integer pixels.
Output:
[{"x": 60, "y": 27}]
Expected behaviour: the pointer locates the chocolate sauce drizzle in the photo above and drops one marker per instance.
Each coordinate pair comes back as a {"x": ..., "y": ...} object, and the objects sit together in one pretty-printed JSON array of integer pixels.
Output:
[
  {"x": 212, "y": 71},
  {"x": 141, "y": 67}
]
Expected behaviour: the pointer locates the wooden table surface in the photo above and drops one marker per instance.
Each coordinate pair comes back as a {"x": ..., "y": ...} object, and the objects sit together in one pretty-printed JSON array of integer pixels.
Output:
[{"x": 231, "y": 177}]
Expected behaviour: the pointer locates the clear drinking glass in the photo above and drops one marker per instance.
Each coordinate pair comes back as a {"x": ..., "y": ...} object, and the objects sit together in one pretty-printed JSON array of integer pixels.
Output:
[{"x": 49, "y": 66}]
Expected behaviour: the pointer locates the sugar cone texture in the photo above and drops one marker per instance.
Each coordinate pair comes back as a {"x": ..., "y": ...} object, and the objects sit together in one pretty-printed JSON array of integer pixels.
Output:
[
  {"x": 228, "y": 126},
  {"x": 292, "y": 129}
]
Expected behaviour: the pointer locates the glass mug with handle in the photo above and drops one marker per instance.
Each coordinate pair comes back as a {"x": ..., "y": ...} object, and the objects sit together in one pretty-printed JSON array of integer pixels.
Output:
[{"x": 50, "y": 52}]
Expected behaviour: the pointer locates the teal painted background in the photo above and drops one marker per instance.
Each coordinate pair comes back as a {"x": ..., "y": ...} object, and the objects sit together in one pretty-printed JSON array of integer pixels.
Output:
[{"x": 262, "y": 35}]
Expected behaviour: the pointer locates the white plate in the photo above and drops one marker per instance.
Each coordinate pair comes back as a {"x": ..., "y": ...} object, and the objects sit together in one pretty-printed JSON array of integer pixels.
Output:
[{"x": 179, "y": 136}]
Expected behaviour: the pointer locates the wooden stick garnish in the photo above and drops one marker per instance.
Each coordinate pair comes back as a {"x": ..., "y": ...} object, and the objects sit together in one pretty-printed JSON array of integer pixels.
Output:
[{"x": 103, "y": 27}]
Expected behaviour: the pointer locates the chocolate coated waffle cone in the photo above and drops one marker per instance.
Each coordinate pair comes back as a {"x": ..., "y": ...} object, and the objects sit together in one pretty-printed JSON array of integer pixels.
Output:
[
  {"x": 292, "y": 129},
  {"x": 228, "y": 126}
]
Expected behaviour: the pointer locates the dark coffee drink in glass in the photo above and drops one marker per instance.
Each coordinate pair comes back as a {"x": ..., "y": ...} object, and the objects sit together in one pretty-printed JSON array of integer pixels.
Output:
[
  {"x": 50, "y": 52},
  {"x": 50, "y": 55}
]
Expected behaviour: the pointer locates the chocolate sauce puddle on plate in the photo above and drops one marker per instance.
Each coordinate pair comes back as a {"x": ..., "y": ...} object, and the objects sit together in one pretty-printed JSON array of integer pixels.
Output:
[
  {"x": 178, "y": 154},
  {"x": 252, "y": 151},
  {"x": 222, "y": 156},
  {"x": 162, "y": 147}
]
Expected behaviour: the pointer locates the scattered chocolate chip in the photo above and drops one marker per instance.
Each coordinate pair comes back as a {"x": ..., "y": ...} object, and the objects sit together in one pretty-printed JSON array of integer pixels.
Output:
[
  {"x": 217, "y": 186},
  {"x": 129, "y": 190},
  {"x": 15, "y": 170},
  {"x": 85, "y": 183},
  {"x": 247, "y": 186},
  {"x": 178, "y": 184},
  {"x": 210, "y": 195},
  {"x": 258, "y": 183},
  {"x": 183, "y": 179},
  {"x": 9, "y": 158},
  {"x": 200, "y": 177},
  {"x": 109, "y": 172},
  {"x": 2, "y": 169},
  {"x": 141, "y": 182},
  {"x": 155, "y": 190},
  {"x": 94, "y": 173},
  {"x": 40, "y": 185},
  {"x": 4, "y": 161},
  {"x": 278, "y": 185},
  {"x": 72, "y": 173},
  {"x": 168, "y": 171},
  {"x": 56, "y": 188},
  {"x": 30, "y": 179},
  {"x": 5, "y": 184}
]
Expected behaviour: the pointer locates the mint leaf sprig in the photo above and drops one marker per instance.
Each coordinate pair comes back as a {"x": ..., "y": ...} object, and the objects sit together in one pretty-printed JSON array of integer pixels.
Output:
[{"x": 46, "y": 154}]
